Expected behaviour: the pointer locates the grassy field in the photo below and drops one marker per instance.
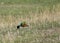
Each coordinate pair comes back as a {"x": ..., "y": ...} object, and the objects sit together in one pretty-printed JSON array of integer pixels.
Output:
[{"x": 43, "y": 17}]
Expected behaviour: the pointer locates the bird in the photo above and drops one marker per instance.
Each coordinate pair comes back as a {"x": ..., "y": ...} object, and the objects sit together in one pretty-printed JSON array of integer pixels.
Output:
[
  {"x": 18, "y": 26},
  {"x": 22, "y": 24}
]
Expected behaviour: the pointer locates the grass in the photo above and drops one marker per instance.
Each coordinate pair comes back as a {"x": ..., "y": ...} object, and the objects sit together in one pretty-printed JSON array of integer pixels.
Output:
[
  {"x": 41, "y": 2},
  {"x": 43, "y": 17}
]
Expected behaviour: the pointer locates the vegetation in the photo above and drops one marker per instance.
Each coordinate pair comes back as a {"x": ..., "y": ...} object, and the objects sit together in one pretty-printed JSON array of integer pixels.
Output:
[{"x": 43, "y": 17}]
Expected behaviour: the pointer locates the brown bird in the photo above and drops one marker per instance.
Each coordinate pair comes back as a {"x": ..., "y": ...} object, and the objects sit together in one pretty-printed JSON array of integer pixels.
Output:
[{"x": 23, "y": 24}]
